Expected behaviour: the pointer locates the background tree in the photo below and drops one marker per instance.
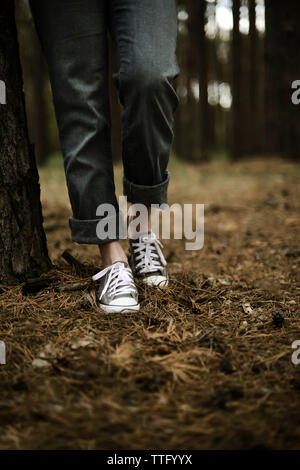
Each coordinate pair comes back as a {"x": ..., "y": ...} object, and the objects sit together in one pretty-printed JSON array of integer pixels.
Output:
[
  {"x": 23, "y": 250},
  {"x": 253, "y": 82},
  {"x": 236, "y": 82},
  {"x": 197, "y": 21},
  {"x": 282, "y": 68}
]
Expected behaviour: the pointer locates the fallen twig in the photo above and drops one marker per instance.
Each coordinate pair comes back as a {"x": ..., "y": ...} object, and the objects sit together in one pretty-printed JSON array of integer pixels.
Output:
[{"x": 72, "y": 261}]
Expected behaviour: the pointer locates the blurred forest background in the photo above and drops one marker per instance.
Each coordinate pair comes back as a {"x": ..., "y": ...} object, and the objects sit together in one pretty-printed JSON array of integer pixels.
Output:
[{"x": 238, "y": 60}]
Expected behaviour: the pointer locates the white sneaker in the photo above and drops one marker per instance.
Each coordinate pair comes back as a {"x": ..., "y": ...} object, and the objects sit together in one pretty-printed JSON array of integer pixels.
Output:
[
  {"x": 117, "y": 292},
  {"x": 147, "y": 260}
]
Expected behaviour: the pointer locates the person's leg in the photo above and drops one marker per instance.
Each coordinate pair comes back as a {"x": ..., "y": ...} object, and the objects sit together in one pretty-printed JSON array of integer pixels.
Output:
[
  {"x": 145, "y": 34},
  {"x": 74, "y": 38},
  {"x": 73, "y": 34},
  {"x": 112, "y": 252}
]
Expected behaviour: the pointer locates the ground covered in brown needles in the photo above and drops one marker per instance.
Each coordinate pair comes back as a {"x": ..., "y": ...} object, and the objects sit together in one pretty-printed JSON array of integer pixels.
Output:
[{"x": 206, "y": 364}]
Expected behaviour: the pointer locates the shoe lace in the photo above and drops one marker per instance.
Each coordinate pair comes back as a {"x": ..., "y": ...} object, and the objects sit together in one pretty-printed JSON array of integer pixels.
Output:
[
  {"x": 148, "y": 254},
  {"x": 119, "y": 281}
]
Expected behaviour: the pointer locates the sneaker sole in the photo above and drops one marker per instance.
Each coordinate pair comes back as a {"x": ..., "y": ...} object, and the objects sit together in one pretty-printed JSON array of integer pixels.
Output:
[{"x": 119, "y": 308}]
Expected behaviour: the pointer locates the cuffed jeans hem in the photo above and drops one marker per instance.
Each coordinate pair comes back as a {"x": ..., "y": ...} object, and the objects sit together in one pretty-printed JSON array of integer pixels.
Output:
[
  {"x": 85, "y": 231},
  {"x": 137, "y": 193}
]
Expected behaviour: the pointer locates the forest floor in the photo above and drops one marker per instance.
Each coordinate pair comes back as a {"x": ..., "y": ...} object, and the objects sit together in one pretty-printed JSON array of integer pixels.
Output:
[{"x": 206, "y": 364}]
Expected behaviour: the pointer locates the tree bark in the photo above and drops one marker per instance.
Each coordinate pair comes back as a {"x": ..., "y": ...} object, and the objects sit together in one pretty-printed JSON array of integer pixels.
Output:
[
  {"x": 203, "y": 81},
  {"x": 236, "y": 150},
  {"x": 274, "y": 75},
  {"x": 39, "y": 114},
  {"x": 282, "y": 69},
  {"x": 197, "y": 55},
  {"x": 23, "y": 249},
  {"x": 253, "y": 91}
]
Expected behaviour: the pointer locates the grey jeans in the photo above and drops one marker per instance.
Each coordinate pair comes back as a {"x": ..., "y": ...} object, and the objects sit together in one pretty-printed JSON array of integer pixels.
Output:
[{"x": 73, "y": 34}]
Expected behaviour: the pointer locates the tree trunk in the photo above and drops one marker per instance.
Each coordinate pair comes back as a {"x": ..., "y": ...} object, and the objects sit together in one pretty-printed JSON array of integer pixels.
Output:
[
  {"x": 291, "y": 32},
  {"x": 203, "y": 81},
  {"x": 197, "y": 57},
  {"x": 253, "y": 91},
  {"x": 23, "y": 249},
  {"x": 236, "y": 149},
  {"x": 41, "y": 144},
  {"x": 282, "y": 69},
  {"x": 274, "y": 75}
]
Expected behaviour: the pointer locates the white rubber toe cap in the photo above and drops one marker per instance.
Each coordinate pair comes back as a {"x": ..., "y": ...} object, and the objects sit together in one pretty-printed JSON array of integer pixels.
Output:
[
  {"x": 156, "y": 280},
  {"x": 121, "y": 305},
  {"x": 126, "y": 301}
]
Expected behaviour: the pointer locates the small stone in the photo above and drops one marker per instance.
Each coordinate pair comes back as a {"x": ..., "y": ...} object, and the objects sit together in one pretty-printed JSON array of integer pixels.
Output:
[
  {"x": 247, "y": 308},
  {"x": 40, "y": 363},
  {"x": 224, "y": 282},
  {"x": 81, "y": 342}
]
